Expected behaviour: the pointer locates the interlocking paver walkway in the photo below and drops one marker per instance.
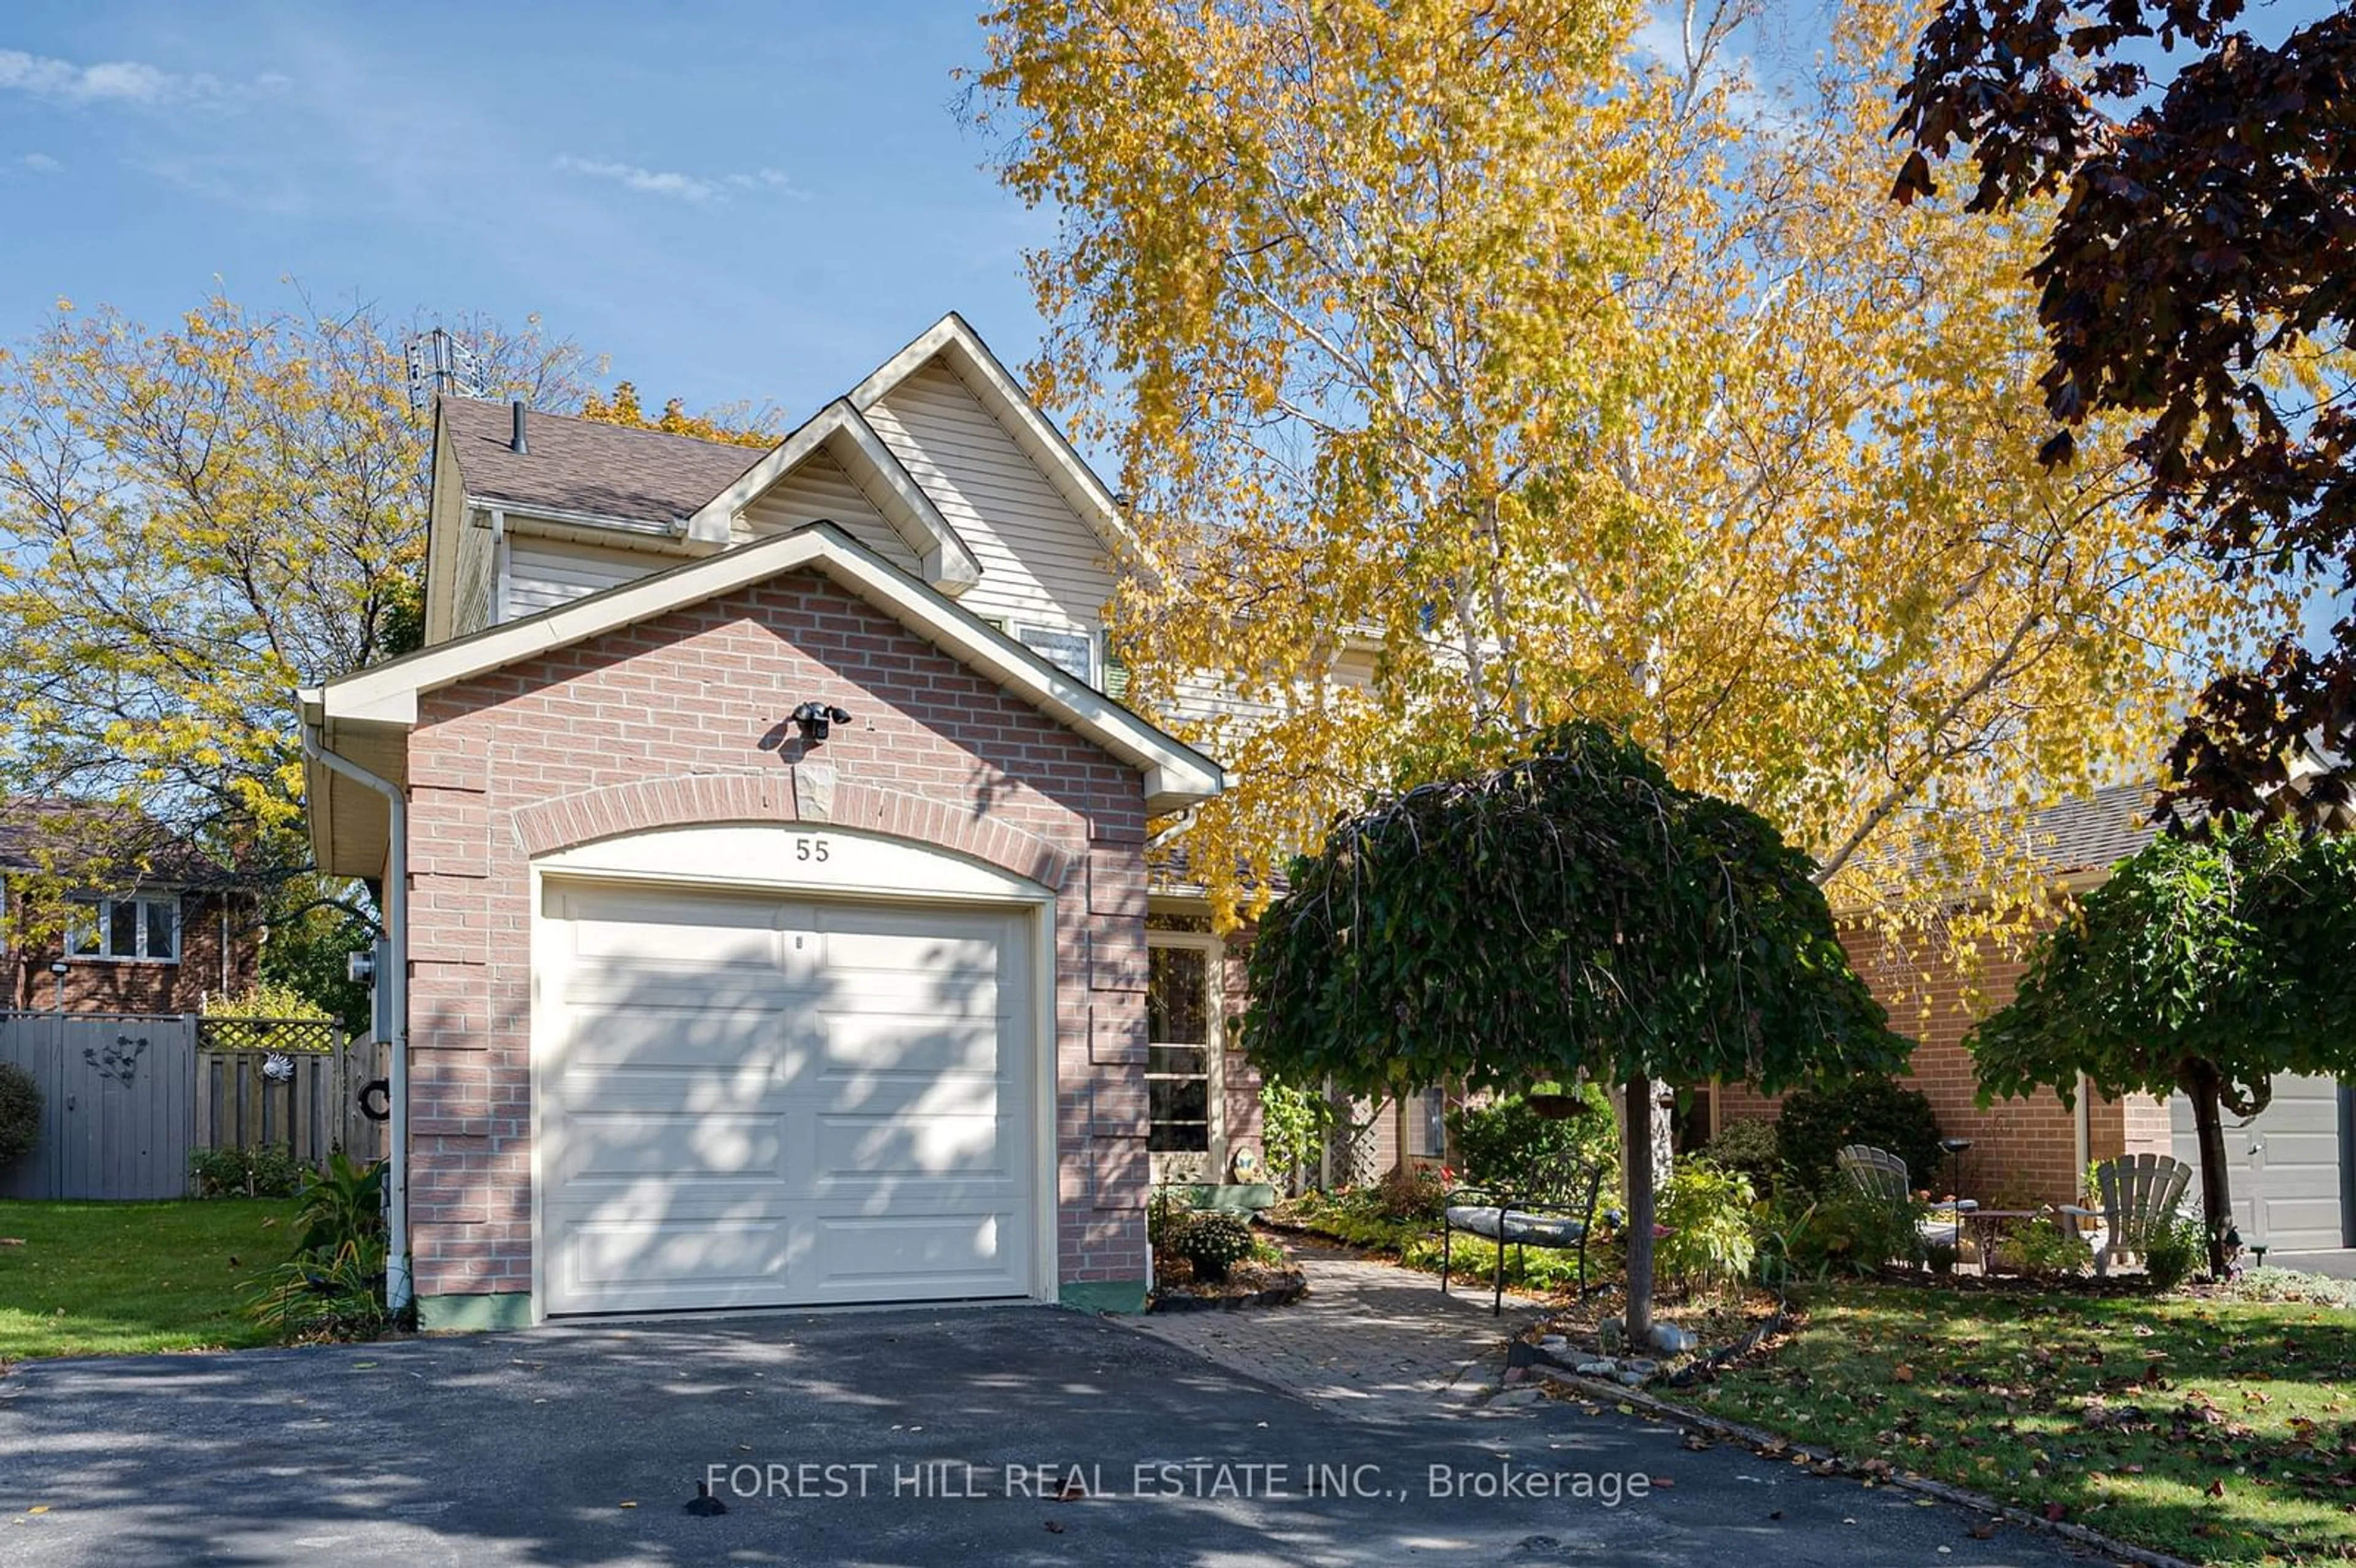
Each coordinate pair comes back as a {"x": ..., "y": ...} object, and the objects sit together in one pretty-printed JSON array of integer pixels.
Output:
[{"x": 1370, "y": 1338}]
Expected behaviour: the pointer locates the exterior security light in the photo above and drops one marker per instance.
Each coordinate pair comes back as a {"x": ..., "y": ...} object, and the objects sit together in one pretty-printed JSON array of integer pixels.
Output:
[{"x": 816, "y": 718}]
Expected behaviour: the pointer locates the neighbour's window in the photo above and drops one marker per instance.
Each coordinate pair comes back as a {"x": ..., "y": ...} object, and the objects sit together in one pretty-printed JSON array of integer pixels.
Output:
[
  {"x": 128, "y": 928},
  {"x": 1178, "y": 1049}
]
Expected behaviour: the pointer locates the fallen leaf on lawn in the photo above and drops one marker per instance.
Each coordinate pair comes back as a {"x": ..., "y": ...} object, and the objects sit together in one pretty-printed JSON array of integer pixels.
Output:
[
  {"x": 12, "y": 1241},
  {"x": 2053, "y": 1513},
  {"x": 2216, "y": 1489},
  {"x": 1902, "y": 1373}
]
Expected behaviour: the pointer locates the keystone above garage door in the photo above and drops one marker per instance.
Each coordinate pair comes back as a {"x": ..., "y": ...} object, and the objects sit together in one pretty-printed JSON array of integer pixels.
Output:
[{"x": 756, "y": 1100}]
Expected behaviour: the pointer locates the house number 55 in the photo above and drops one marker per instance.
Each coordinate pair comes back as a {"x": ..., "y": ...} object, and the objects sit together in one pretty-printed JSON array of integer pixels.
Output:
[{"x": 809, "y": 849}]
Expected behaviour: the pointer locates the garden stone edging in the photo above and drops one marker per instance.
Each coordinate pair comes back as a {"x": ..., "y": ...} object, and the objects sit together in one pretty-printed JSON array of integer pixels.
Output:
[{"x": 1612, "y": 1392}]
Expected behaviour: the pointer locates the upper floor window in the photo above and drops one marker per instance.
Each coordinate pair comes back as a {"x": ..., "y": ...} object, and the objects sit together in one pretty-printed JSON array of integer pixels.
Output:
[
  {"x": 146, "y": 928},
  {"x": 1072, "y": 649}
]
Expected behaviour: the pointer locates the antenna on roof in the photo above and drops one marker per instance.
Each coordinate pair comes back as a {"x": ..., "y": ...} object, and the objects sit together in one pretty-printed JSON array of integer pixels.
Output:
[{"x": 438, "y": 365}]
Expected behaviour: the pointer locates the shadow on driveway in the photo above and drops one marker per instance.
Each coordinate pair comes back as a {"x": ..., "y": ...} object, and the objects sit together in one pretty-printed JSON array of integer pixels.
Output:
[{"x": 521, "y": 1449}]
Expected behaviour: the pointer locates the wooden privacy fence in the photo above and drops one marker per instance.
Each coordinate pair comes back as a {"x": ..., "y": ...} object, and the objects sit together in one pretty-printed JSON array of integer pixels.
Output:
[
  {"x": 308, "y": 1101},
  {"x": 127, "y": 1098}
]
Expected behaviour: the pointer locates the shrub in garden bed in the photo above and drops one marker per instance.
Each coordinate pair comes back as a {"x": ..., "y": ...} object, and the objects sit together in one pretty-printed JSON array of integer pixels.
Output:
[
  {"x": 20, "y": 1113},
  {"x": 268, "y": 1170},
  {"x": 332, "y": 1287},
  {"x": 1817, "y": 1124}
]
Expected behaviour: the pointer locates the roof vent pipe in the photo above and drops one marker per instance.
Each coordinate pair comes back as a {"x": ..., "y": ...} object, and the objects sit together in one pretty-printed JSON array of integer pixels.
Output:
[{"x": 517, "y": 443}]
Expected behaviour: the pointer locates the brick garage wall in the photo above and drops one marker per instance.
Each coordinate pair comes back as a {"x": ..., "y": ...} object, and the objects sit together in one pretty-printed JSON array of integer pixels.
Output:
[
  {"x": 681, "y": 719},
  {"x": 96, "y": 986},
  {"x": 2024, "y": 1149}
]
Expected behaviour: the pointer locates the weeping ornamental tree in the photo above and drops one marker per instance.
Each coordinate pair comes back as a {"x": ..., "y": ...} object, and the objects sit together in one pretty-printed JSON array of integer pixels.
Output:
[
  {"x": 2207, "y": 962},
  {"x": 1572, "y": 913}
]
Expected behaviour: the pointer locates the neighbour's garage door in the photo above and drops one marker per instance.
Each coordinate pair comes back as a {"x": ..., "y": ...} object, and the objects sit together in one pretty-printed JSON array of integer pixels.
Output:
[
  {"x": 2284, "y": 1167},
  {"x": 749, "y": 1101}
]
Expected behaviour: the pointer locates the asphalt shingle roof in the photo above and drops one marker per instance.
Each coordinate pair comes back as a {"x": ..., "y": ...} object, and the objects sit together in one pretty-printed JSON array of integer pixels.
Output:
[
  {"x": 583, "y": 465},
  {"x": 37, "y": 834},
  {"x": 2094, "y": 832}
]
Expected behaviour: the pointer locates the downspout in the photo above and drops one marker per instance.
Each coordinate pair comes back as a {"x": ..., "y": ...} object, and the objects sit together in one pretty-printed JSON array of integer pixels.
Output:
[
  {"x": 397, "y": 1287},
  {"x": 2083, "y": 1125}
]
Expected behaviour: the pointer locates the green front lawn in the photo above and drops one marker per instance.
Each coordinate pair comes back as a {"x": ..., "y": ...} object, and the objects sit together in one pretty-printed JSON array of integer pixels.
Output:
[
  {"x": 101, "y": 1279},
  {"x": 2223, "y": 1431}
]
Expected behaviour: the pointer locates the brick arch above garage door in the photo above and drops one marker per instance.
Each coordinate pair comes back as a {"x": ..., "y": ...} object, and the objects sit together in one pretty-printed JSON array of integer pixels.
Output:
[{"x": 806, "y": 792}]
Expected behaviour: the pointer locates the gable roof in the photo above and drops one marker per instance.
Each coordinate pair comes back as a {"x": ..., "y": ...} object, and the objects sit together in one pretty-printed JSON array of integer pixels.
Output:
[
  {"x": 588, "y": 466},
  {"x": 995, "y": 387},
  {"x": 377, "y": 705},
  {"x": 840, "y": 431}
]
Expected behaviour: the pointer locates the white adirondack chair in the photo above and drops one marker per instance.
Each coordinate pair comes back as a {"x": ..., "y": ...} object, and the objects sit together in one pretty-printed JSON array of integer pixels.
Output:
[
  {"x": 2140, "y": 1193},
  {"x": 1878, "y": 1173}
]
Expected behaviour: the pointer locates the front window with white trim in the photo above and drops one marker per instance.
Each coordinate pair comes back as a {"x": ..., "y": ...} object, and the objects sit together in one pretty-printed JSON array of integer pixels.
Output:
[{"x": 133, "y": 929}]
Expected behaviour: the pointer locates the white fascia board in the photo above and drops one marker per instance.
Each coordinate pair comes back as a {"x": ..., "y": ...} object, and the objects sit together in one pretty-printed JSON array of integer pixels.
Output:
[
  {"x": 840, "y": 431},
  {"x": 1176, "y": 775},
  {"x": 986, "y": 376}
]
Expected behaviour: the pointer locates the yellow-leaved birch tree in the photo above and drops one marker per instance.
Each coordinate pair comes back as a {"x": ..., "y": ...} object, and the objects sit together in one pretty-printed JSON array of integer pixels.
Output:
[
  {"x": 1472, "y": 367},
  {"x": 193, "y": 521}
]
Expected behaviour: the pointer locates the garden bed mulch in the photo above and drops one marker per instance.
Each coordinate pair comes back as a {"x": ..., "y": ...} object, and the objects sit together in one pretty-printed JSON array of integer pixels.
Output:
[{"x": 1246, "y": 1285}]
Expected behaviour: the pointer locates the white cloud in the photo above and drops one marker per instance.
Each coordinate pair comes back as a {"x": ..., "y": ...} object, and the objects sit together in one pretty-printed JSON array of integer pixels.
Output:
[
  {"x": 697, "y": 188},
  {"x": 110, "y": 82},
  {"x": 42, "y": 163}
]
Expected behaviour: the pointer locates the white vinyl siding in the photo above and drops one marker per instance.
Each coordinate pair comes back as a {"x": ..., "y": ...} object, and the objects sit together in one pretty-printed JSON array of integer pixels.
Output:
[
  {"x": 544, "y": 573},
  {"x": 1041, "y": 562},
  {"x": 820, "y": 489}
]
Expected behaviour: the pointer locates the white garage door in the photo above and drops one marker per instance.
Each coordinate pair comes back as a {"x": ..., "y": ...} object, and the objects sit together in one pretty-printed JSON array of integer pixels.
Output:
[
  {"x": 751, "y": 1100},
  {"x": 2284, "y": 1167}
]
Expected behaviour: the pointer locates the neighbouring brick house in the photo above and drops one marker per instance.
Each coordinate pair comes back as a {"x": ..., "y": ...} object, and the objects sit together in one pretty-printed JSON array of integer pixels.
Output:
[
  {"x": 161, "y": 929},
  {"x": 2294, "y": 1167},
  {"x": 778, "y": 925},
  {"x": 2033, "y": 1149}
]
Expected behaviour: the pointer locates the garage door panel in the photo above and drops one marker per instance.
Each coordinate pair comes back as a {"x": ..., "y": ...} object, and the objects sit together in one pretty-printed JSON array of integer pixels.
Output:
[
  {"x": 898, "y": 1255},
  {"x": 906, "y": 1045},
  {"x": 779, "y": 1102},
  {"x": 897, "y": 1146},
  {"x": 672, "y": 1261},
  {"x": 680, "y": 1145}
]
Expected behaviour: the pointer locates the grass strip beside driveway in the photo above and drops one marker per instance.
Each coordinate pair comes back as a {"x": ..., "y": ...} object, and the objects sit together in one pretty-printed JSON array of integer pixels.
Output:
[
  {"x": 102, "y": 1279},
  {"x": 2220, "y": 1431}
]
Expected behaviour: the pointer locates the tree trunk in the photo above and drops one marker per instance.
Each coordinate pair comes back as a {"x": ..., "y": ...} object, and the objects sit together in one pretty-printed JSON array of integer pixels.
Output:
[
  {"x": 2203, "y": 1086},
  {"x": 1636, "y": 1157}
]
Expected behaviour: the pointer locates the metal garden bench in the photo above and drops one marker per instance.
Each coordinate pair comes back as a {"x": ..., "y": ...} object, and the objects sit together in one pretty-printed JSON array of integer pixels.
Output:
[{"x": 1553, "y": 1215}]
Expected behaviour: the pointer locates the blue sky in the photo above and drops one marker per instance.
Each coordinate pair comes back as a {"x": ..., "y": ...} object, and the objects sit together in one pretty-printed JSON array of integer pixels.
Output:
[{"x": 730, "y": 200}]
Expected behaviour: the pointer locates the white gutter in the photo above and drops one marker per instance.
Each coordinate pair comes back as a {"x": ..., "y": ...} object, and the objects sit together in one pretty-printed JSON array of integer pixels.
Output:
[{"x": 398, "y": 1290}]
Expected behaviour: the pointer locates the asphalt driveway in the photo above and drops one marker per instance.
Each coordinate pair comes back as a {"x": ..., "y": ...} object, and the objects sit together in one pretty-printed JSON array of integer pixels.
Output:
[{"x": 532, "y": 1447}]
